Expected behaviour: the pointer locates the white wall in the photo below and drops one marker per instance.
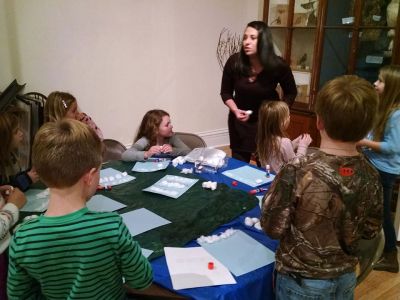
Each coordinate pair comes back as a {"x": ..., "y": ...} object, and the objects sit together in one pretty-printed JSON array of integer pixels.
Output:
[{"x": 121, "y": 58}]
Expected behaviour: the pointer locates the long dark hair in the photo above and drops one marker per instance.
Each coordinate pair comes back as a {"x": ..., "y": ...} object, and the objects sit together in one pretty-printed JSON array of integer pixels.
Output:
[{"x": 265, "y": 50}]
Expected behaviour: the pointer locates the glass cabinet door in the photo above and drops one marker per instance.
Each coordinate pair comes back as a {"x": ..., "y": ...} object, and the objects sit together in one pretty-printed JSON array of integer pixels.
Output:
[
  {"x": 302, "y": 54},
  {"x": 278, "y": 13},
  {"x": 305, "y": 13}
]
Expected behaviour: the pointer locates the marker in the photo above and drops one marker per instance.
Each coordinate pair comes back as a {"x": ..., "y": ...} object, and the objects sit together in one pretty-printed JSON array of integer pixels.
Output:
[
  {"x": 255, "y": 191},
  {"x": 268, "y": 170},
  {"x": 104, "y": 187}
]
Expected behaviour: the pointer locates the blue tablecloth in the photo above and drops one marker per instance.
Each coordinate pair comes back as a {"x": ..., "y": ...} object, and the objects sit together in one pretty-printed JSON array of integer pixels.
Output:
[{"x": 253, "y": 285}]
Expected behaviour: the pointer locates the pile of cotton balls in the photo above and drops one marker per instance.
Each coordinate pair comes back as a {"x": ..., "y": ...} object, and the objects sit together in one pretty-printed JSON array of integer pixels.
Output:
[
  {"x": 214, "y": 238},
  {"x": 209, "y": 185}
]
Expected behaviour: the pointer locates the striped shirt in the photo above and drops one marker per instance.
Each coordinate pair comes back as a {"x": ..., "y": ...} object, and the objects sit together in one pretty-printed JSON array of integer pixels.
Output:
[{"x": 82, "y": 255}]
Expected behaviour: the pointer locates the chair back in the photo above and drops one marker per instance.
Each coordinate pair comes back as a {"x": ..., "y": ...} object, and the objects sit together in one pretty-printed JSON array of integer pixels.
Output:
[
  {"x": 113, "y": 150},
  {"x": 191, "y": 140}
]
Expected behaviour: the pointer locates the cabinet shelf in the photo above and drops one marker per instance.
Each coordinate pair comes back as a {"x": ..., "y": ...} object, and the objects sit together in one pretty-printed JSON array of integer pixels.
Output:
[{"x": 326, "y": 39}]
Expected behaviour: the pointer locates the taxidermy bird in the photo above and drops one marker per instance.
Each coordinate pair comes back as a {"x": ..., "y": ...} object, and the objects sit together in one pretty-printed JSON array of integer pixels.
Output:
[{"x": 302, "y": 61}]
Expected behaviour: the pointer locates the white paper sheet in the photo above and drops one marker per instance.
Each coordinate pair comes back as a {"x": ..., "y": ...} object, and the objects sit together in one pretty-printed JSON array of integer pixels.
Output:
[
  {"x": 146, "y": 252},
  {"x": 103, "y": 203},
  {"x": 171, "y": 186},
  {"x": 142, "y": 220},
  {"x": 150, "y": 166},
  {"x": 249, "y": 175},
  {"x": 240, "y": 253},
  {"x": 110, "y": 177},
  {"x": 188, "y": 268}
]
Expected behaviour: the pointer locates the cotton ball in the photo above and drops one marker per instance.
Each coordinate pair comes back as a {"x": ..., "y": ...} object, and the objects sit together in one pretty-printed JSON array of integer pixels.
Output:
[
  {"x": 249, "y": 112},
  {"x": 248, "y": 221},
  {"x": 255, "y": 220},
  {"x": 257, "y": 225}
]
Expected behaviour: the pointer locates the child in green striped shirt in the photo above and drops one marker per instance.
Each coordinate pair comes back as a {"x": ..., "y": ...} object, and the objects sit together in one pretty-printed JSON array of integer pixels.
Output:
[{"x": 71, "y": 252}]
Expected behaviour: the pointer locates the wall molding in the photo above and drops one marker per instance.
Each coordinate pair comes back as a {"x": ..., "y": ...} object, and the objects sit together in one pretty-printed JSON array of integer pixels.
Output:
[{"x": 215, "y": 138}]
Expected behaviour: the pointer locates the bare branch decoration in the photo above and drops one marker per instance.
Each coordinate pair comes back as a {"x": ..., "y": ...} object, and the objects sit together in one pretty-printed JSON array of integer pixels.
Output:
[{"x": 228, "y": 44}]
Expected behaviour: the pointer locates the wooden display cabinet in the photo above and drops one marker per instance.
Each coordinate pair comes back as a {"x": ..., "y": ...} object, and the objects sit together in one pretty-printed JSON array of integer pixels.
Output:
[{"x": 323, "y": 39}]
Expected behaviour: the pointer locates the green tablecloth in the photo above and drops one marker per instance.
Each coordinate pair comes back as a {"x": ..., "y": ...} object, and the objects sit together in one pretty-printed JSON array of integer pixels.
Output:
[{"x": 197, "y": 212}]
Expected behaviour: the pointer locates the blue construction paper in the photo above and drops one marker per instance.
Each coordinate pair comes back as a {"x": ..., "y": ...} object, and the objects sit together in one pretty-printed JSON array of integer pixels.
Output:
[
  {"x": 250, "y": 176},
  {"x": 142, "y": 220},
  {"x": 150, "y": 166},
  {"x": 240, "y": 253},
  {"x": 171, "y": 186},
  {"x": 110, "y": 177},
  {"x": 36, "y": 200},
  {"x": 103, "y": 203}
]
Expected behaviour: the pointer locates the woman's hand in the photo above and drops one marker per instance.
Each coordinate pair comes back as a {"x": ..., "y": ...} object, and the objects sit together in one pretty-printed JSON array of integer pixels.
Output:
[
  {"x": 241, "y": 115},
  {"x": 33, "y": 175}
]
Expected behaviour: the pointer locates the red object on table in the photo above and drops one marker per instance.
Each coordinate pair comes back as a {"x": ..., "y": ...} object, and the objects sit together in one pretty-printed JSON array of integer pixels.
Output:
[
  {"x": 210, "y": 265},
  {"x": 234, "y": 183}
]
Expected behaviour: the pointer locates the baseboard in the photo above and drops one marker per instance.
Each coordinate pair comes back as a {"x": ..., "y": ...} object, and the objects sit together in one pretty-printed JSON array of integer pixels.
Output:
[{"x": 215, "y": 138}]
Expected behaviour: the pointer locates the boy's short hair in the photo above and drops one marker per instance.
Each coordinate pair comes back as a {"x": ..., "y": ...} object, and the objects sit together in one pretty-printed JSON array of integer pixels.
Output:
[
  {"x": 347, "y": 106},
  {"x": 64, "y": 151}
]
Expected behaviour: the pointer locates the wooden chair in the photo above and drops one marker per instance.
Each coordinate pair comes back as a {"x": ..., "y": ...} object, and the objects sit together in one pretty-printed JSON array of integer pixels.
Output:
[
  {"x": 113, "y": 150},
  {"x": 191, "y": 140}
]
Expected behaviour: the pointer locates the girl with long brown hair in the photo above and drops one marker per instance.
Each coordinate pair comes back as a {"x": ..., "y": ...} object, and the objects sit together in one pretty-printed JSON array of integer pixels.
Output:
[{"x": 155, "y": 138}]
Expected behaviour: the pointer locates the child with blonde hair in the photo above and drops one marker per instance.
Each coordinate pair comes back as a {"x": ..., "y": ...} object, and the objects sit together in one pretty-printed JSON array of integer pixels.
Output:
[
  {"x": 11, "y": 137},
  {"x": 274, "y": 148},
  {"x": 61, "y": 105},
  {"x": 155, "y": 138},
  {"x": 382, "y": 147},
  {"x": 70, "y": 252}
]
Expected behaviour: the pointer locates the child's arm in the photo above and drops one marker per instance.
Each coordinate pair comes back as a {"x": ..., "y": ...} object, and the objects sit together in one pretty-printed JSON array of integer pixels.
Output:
[
  {"x": 278, "y": 203},
  {"x": 135, "y": 268},
  {"x": 373, "y": 222},
  {"x": 19, "y": 284},
  {"x": 137, "y": 151},
  {"x": 9, "y": 213},
  {"x": 22, "y": 180},
  {"x": 391, "y": 139}
]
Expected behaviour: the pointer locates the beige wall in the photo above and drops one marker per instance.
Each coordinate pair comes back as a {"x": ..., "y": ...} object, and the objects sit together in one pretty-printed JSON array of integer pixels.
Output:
[{"x": 121, "y": 58}]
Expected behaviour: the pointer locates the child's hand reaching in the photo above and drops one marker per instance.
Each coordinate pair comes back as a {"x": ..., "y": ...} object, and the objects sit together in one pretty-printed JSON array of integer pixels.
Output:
[
  {"x": 15, "y": 196},
  {"x": 305, "y": 140},
  {"x": 33, "y": 175}
]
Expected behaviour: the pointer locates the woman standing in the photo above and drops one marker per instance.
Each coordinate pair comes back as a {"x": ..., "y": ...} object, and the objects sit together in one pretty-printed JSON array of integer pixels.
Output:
[{"x": 250, "y": 77}]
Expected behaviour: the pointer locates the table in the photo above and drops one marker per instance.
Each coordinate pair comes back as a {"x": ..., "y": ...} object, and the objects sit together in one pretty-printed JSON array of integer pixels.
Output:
[{"x": 254, "y": 285}]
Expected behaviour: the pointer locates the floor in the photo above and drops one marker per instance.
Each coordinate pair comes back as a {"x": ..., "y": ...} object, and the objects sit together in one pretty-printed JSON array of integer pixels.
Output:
[{"x": 377, "y": 285}]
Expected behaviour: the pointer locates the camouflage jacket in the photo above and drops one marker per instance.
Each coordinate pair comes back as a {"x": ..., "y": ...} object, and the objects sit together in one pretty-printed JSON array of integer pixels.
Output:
[{"x": 319, "y": 206}]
